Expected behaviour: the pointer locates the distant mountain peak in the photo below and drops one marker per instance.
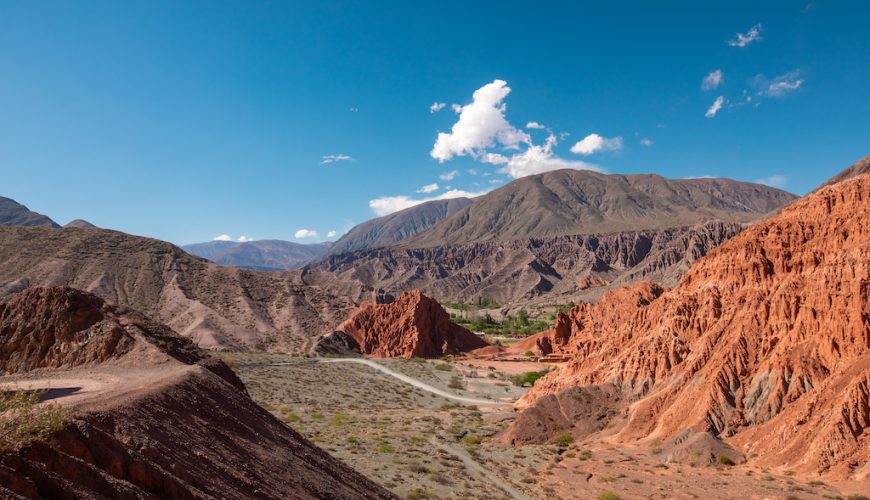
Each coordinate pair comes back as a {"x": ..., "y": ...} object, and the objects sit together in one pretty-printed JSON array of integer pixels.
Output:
[
  {"x": 80, "y": 223},
  {"x": 13, "y": 213}
]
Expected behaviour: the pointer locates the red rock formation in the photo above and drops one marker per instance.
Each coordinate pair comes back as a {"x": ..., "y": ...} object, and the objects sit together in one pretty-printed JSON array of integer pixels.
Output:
[
  {"x": 414, "y": 325},
  {"x": 765, "y": 341},
  {"x": 591, "y": 282}
]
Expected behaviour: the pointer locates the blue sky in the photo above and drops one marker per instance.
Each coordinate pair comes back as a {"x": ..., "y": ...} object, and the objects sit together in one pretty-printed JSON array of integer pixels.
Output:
[{"x": 188, "y": 120}]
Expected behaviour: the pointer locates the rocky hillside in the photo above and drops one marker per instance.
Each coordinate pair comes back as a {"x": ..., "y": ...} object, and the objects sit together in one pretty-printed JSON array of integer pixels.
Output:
[
  {"x": 13, "y": 213},
  {"x": 393, "y": 228},
  {"x": 861, "y": 166},
  {"x": 571, "y": 202},
  {"x": 147, "y": 413},
  {"x": 764, "y": 343},
  {"x": 217, "y": 307},
  {"x": 261, "y": 255},
  {"x": 563, "y": 268},
  {"x": 412, "y": 326}
]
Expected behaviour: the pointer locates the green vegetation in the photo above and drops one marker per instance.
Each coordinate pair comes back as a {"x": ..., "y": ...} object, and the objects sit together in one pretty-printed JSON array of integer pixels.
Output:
[
  {"x": 444, "y": 367},
  {"x": 521, "y": 379},
  {"x": 290, "y": 418},
  {"x": 385, "y": 448},
  {"x": 726, "y": 461},
  {"x": 23, "y": 420},
  {"x": 471, "y": 440}
]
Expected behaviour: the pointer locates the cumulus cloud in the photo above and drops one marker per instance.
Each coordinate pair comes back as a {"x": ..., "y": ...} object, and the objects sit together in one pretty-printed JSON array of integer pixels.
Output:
[
  {"x": 715, "y": 107},
  {"x": 713, "y": 80},
  {"x": 428, "y": 188},
  {"x": 594, "y": 143},
  {"x": 449, "y": 176},
  {"x": 305, "y": 233},
  {"x": 534, "y": 125},
  {"x": 540, "y": 159},
  {"x": 494, "y": 159},
  {"x": 334, "y": 158},
  {"x": 223, "y": 237},
  {"x": 779, "y": 86},
  {"x": 386, "y": 205},
  {"x": 437, "y": 106},
  {"x": 646, "y": 141},
  {"x": 245, "y": 239},
  {"x": 457, "y": 108},
  {"x": 481, "y": 125},
  {"x": 744, "y": 39},
  {"x": 776, "y": 181},
  {"x": 332, "y": 234}
]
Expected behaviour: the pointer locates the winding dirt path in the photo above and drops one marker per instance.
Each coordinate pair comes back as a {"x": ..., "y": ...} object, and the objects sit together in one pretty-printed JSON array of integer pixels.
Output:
[{"x": 410, "y": 381}]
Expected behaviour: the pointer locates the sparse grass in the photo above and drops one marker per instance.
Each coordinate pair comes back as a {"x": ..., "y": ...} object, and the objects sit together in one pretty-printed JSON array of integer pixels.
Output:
[
  {"x": 444, "y": 367},
  {"x": 607, "y": 479},
  {"x": 471, "y": 440},
  {"x": 290, "y": 418},
  {"x": 385, "y": 448},
  {"x": 608, "y": 495},
  {"x": 23, "y": 420},
  {"x": 726, "y": 461},
  {"x": 656, "y": 447}
]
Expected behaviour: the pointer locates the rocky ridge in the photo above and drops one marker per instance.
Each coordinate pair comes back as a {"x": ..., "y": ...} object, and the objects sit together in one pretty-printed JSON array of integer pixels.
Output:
[{"x": 767, "y": 336}]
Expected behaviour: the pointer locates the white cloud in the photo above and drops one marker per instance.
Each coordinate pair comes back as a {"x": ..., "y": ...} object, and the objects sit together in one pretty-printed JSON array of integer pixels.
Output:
[
  {"x": 353, "y": 110},
  {"x": 223, "y": 237},
  {"x": 495, "y": 181},
  {"x": 332, "y": 234},
  {"x": 715, "y": 107},
  {"x": 471, "y": 171},
  {"x": 534, "y": 125},
  {"x": 305, "y": 233},
  {"x": 245, "y": 239},
  {"x": 481, "y": 125},
  {"x": 428, "y": 188},
  {"x": 333, "y": 158},
  {"x": 449, "y": 176},
  {"x": 776, "y": 181},
  {"x": 494, "y": 159},
  {"x": 386, "y": 205},
  {"x": 594, "y": 143},
  {"x": 646, "y": 141},
  {"x": 779, "y": 86},
  {"x": 457, "y": 108},
  {"x": 437, "y": 106},
  {"x": 744, "y": 39},
  {"x": 713, "y": 80},
  {"x": 539, "y": 159}
]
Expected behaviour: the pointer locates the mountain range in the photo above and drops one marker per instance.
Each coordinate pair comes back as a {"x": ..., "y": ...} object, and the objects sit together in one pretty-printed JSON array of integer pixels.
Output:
[{"x": 261, "y": 255}]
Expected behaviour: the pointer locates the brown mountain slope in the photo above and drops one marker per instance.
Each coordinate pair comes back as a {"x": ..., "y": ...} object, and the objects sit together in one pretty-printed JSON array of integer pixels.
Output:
[
  {"x": 79, "y": 223},
  {"x": 390, "y": 229},
  {"x": 150, "y": 415},
  {"x": 262, "y": 255},
  {"x": 217, "y": 307},
  {"x": 13, "y": 213},
  {"x": 861, "y": 166},
  {"x": 562, "y": 268},
  {"x": 765, "y": 343},
  {"x": 412, "y": 326},
  {"x": 570, "y": 202}
]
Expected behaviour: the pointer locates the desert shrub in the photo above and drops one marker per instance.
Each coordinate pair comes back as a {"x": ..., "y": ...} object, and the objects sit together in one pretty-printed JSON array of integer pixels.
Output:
[
  {"x": 529, "y": 354},
  {"x": 455, "y": 383},
  {"x": 530, "y": 378},
  {"x": 563, "y": 440},
  {"x": 725, "y": 460},
  {"x": 385, "y": 448},
  {"x": 23, "y": 420},
  {"x": 471, "y": 440},
  {"x": 444, "y": 367},
  {"x": 290, "y": 418}
]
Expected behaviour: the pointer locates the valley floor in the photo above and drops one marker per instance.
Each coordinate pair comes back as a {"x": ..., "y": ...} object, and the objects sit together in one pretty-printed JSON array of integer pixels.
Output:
[{"x": 421, "y": 444}]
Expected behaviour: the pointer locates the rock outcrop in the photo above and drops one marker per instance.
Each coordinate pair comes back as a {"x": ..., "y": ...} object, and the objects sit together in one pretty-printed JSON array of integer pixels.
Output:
[
  {"x": 150, "y": 415},
  {"x": 412, "y": 326},
  {"x": 764, "y": 343}
]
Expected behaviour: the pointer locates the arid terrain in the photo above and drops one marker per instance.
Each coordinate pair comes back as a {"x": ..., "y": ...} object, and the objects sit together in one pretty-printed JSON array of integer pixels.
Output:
[{"x": 423, "y": 445}]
